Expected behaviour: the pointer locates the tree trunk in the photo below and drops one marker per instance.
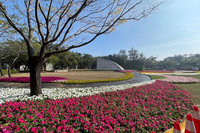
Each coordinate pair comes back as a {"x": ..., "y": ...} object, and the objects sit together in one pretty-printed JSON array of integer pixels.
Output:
[
  {"x": 1, "y": 70},
  {"x": 9, "y": 67},
  {"x": 35, "y": 77}
]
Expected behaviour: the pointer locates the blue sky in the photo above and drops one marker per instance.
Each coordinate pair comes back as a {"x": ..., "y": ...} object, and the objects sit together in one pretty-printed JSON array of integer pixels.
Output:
[{"x": 172, "y": 29}]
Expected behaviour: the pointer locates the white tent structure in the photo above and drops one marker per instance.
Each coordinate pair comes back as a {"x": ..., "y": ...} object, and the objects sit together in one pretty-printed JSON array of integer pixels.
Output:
[{"x": 104, "y": 64}]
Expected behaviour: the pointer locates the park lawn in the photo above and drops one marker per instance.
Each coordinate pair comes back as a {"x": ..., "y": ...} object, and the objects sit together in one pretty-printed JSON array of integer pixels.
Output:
[
  {"x": 155, "y": 77},
  {"x": 78, "y": 75}
]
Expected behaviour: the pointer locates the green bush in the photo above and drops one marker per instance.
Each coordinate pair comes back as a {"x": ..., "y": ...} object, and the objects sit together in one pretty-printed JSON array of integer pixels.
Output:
[
  {"x": 127, "y": 76},
  {"x": 12, "y": 71}
]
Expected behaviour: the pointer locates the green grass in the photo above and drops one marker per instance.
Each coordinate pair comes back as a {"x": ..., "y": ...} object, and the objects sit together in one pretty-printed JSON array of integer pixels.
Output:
[
  {"x": 193, "y": 88},
  {"x": 154, "y": 77}
]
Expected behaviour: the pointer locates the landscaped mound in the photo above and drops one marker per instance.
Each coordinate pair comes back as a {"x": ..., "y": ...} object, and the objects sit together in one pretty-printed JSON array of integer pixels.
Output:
[
  {"x": 27, "y": 79},
  {"x": 179, "y": 79},
  {"x": 126, "y": 77},
  {"x": 139, "y": 109}
]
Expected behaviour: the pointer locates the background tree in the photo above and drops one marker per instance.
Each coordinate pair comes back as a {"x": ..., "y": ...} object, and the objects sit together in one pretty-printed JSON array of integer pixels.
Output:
[
  {"x": 4, "y": 27},
  {"x": 132, "y": 60},
  {"x": 86, "y": 61},
  {"x": 60, "y": 61},
  {"x": 15, "y": 49},
  {"x": 4, "y": 53},
  {"x": 60, "y": 26}
]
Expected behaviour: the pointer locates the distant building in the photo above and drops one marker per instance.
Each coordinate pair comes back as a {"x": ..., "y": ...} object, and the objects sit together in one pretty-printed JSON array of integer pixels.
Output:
[{"x": 104, "y": 64}]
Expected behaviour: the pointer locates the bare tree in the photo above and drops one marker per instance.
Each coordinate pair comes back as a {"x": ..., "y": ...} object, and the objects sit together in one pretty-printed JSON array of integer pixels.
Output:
[
  {"x": 4, "y": 53},
  {"x": 61, "y": 25},
  {"x": 10, "y": 51}
]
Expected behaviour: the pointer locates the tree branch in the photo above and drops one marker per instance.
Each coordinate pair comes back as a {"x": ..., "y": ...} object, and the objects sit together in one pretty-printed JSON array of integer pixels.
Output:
[
  {"x": 69, "y": 19},
  {"x": 30, "y": 49},
  {"x": 37, "y": 20}
]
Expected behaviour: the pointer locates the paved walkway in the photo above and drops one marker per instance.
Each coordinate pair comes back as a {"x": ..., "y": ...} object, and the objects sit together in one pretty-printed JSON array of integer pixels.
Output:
[{"x": 136, "y": 79}]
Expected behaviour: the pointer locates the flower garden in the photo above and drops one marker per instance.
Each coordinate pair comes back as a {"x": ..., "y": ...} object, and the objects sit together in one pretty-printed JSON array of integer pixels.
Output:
[
  {"x": 139, "y": 109},
  {"x": 179, "y": 79},
  {"x": 128, "y": 75},
  {"x": 172, "y": 77}
]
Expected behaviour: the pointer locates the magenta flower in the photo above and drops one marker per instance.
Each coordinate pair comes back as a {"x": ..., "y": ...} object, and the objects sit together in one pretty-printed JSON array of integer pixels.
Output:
[
  {"x": 43, "y": 122},
  {"x": 27, "y": 79},
  {"x": 139, "y": 109},
  {"x": 33, "y": 129}
]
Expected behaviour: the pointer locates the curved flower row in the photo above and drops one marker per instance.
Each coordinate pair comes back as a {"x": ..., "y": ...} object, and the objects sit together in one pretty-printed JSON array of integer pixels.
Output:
[
  {"x": 126, "y": 71},
  {"x": 179, "y": 79},
  {"x": 138, "y": 109},
  {"x": 156, "y": 71},
  {"x": 11, "y": 94},
  {"x": 27, "y": 79}
]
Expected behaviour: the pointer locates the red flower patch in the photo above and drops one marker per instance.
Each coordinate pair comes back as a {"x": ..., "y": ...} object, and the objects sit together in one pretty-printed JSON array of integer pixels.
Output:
[
  {"x": 27, "y": 79},
  {"x": 139, "y": 109}
]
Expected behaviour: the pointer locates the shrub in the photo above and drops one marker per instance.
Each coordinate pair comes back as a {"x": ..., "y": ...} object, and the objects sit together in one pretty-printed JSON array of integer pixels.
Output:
[{"x": 12, "y": 71}]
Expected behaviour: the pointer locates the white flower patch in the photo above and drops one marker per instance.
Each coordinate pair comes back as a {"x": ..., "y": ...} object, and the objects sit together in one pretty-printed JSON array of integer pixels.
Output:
[{"x": 11, "y": 94}]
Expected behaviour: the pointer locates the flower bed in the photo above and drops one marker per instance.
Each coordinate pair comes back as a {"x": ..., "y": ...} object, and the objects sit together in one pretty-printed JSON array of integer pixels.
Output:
[
  {"x": 126, "y": 71},
  {"x": 139, "y": 109},
  {"x": 179, "y": 79},
  {"x": 27, "y": 79},
  {"x": 11, "y": 94},
  {"x": 156, "y": 71}
]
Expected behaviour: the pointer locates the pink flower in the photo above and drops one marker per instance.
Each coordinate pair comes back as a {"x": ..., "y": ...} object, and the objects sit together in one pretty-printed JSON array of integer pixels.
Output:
[
  {"x": 18, "y": 128},
  {"x": 43, "y": 122},
  {"x": 33, "y": 129},
  {"x": 12, "y": 124}
]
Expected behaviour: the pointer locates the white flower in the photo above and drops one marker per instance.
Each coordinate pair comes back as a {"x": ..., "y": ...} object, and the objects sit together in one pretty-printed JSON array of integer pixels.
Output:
[{"x": 11, "y": 94}]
